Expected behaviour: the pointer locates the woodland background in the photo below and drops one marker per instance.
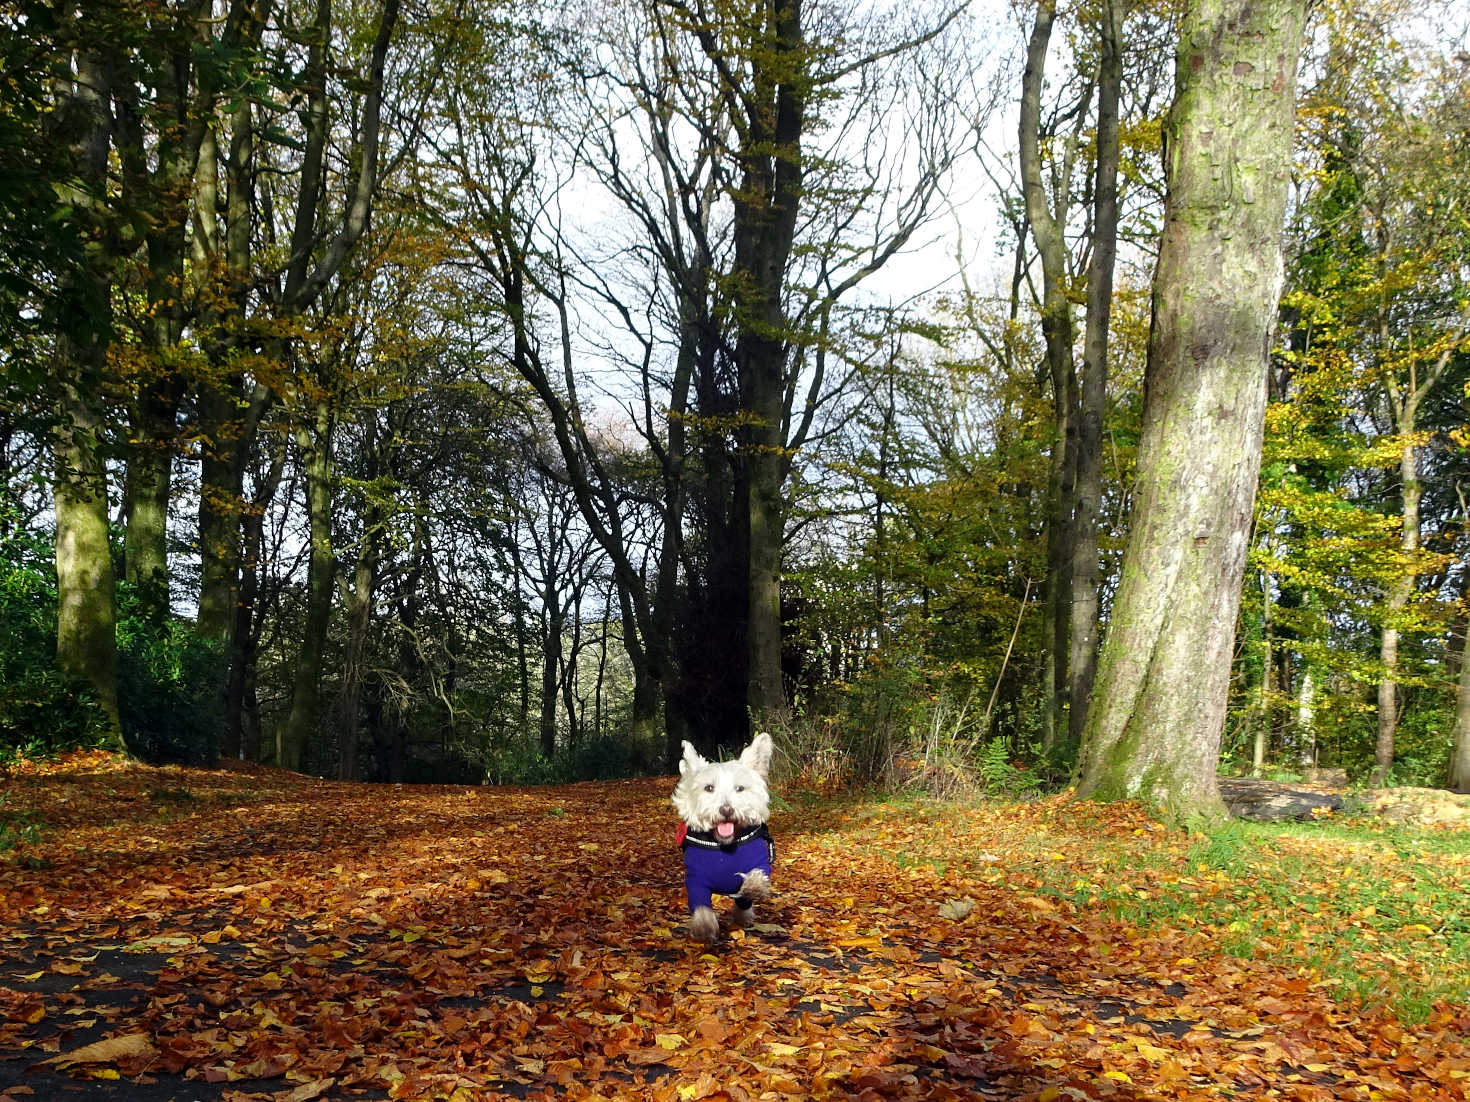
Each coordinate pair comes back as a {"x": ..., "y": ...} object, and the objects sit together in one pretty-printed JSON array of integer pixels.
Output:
[{"x": 430, "y": 390}]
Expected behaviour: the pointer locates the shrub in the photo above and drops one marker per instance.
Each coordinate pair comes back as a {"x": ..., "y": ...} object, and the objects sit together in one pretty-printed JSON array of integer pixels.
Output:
[
  {"x": 601, "y": 758},
  {"x": 169, "y": 688},
  {"x": 169, "y": 698},
  {"x": 41, "y": 710}
]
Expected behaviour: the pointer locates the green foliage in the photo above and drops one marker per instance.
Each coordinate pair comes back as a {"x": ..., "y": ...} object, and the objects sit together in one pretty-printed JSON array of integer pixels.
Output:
[
  {"x": 1423, "y": 742},
  {"x": 170, "y": 708},
  {"x": 168, "y": 696},
  {"x": 41, "y": 711},
  {"x": 1000, "y": 774},
  {"x": 600, "y": 758},
  {"x": 17, "y": 828}
]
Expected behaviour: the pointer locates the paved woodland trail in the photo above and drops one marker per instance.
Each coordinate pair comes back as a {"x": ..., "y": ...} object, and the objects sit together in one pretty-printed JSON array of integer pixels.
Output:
[{"x": 251, "y": 934}]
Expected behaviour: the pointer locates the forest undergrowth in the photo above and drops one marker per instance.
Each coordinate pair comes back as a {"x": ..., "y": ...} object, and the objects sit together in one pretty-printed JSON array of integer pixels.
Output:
[{"x": 246, "y": 933}]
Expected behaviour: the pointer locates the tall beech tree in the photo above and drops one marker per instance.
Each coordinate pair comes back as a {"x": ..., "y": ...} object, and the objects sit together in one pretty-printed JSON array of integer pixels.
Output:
[
  {"x": 1153, "y": 731},
  {"x": 86, "y": 644}
]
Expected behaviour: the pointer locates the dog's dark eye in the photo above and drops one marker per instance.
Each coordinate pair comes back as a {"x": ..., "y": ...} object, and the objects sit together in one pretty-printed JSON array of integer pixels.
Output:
[
  {"x": 709, "y": 788},
  {"x": 740, "y": 788}
]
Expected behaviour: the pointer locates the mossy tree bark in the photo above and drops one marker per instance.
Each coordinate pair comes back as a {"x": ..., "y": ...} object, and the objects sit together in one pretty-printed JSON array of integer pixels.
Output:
[
  {"x": 1154, "y": 728},
  {"x": 86, "y": 639},
  {"x": 86, "y": 642}
]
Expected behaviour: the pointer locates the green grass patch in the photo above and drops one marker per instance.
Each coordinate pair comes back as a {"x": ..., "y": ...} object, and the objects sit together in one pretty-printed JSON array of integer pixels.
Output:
[
  {"x": 18, "y": 828},
  {"x": 1379, "y": 911},
  {"x": 1381, "y": 914}
]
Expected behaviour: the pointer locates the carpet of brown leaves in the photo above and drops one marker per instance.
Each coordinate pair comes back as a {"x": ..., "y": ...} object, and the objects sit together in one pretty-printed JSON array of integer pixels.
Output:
[{"x": 251, "y": 934}]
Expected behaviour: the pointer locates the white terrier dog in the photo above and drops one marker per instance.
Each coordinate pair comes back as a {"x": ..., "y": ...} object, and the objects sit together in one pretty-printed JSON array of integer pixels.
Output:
[{"x": 727, "y": 848}]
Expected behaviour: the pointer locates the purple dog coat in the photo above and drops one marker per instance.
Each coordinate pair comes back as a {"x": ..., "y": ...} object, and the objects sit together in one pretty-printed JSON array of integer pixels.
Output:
[{"x": 711, "y": 868}]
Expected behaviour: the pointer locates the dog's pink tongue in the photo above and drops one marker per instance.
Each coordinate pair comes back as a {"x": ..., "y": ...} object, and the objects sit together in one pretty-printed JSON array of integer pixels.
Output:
[{"x": 725, "y": 829}]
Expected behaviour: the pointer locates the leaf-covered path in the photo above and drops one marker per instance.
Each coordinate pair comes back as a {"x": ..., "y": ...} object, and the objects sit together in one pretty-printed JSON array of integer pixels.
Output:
[{"x": 232, "y": 935}]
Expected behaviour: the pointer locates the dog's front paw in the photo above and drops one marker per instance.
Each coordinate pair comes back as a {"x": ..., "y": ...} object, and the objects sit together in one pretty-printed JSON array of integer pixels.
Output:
[
  {"x": 756, "y": 885},
  {"x": 744, "y": 917},
  {"x": 704, "y": 925}
]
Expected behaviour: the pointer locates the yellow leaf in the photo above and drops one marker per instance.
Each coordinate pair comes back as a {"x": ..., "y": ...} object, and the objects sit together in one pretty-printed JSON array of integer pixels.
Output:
[
  {"x": 1051, "y": 1094},
  {"x": 956, "y": 909},
  {"x": 860, "y": 942},
  {"x": 669, "y": 1041},
  {"x": 307, "y": 1092},
  {"x": 101, "y": 1052},
  {"x": 1119, "y": 1076},
  {"x": 781, "y": 1048}
]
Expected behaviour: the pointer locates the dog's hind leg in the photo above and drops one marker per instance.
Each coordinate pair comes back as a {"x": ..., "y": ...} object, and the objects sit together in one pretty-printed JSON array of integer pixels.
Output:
[{"x": 704, "y": 925}]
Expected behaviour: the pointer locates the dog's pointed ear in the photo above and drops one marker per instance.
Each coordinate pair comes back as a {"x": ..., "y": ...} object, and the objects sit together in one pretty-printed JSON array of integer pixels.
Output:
[
  {"x": 757, "y": 755},
  {"x": 691, "y": 760}
]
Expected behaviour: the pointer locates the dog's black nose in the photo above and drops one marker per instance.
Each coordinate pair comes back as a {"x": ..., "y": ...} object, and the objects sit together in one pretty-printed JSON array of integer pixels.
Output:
[{"x": 726, "y": 811}]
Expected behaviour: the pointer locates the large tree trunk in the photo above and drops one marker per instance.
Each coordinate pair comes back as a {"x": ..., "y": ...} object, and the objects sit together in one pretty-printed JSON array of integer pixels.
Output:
[
  {"x": 1154, "y": 730},
  {"x": 86, "y": 639}
]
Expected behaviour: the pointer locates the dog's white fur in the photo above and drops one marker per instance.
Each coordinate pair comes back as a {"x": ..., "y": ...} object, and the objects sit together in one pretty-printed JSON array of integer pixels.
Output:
[{"x": 729, "y": 791}]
